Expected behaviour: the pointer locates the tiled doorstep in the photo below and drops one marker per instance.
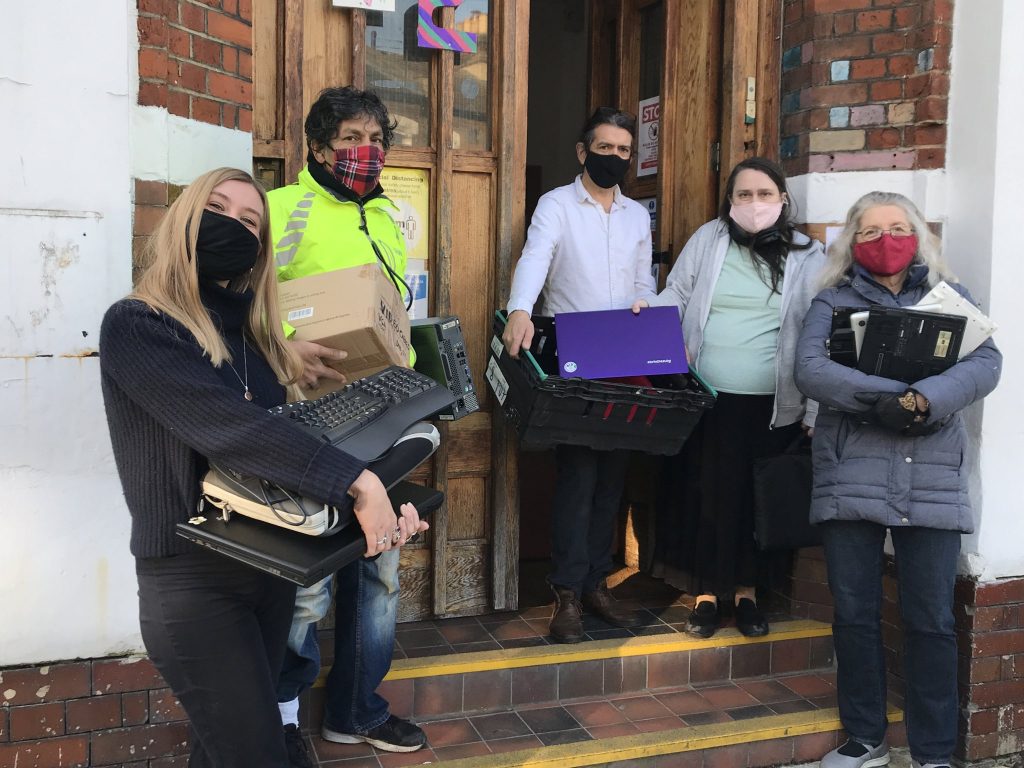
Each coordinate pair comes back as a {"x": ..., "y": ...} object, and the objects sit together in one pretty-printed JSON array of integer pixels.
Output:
[
  {"x": 627, "y": 732},
  {"x": 624, "y": 647}
]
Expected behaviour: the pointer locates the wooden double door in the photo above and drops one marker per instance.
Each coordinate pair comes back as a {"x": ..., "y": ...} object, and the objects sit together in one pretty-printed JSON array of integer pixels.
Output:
[{"x": 462, "y": 127}]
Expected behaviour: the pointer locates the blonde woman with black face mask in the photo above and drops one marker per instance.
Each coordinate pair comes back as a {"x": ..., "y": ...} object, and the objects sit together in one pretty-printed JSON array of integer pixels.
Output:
[{"x": 190, "y": 363}]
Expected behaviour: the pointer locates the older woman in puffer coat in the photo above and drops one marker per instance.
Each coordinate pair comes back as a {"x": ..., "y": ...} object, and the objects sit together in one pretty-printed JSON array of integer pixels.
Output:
[{"x": 890, "y": 455}]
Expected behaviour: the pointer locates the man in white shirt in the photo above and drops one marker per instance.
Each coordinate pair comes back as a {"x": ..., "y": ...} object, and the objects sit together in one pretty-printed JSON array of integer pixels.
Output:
[{"x": 588, "y": 248}]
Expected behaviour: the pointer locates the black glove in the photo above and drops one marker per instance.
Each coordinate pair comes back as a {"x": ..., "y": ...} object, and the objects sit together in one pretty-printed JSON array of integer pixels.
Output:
[
  {"x": 886, "y": 410},
  {"x": 922, "y": 428}
]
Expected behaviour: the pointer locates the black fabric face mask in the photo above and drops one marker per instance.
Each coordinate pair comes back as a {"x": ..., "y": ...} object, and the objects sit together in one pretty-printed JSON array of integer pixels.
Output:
[
  {"x": 605, "y": 170},
  {"x": 225, "y": 248}
]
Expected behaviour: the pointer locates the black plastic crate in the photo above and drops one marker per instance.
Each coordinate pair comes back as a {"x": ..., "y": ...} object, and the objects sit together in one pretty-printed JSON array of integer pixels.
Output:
[{"x": 549, "y": 410}]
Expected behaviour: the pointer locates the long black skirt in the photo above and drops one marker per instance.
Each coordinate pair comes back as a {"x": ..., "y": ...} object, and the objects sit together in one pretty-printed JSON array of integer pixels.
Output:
[{"x": 704, "y": 540}]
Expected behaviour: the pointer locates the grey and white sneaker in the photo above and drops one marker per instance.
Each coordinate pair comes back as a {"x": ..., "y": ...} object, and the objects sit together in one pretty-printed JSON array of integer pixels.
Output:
[{"x": 853, "y": 754}]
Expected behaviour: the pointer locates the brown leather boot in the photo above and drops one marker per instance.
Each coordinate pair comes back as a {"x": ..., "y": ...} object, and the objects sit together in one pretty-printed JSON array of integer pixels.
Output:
[
  {"x": 599, "y": 601},
  {"x": 567, "y": 618}
]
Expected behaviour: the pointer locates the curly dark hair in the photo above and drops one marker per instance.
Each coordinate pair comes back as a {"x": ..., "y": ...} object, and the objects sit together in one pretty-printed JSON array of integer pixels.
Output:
[
  {"x": 336, "y": 104},
  {"x": 769, "y": 247},
  {"x": 606, "y": 116}
]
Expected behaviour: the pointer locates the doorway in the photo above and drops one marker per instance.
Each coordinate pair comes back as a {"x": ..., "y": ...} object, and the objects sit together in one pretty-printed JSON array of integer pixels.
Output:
[{"x": 643, "y": 56}]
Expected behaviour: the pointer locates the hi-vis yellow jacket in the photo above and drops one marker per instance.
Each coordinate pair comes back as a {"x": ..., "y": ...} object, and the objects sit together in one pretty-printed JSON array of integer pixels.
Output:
[{"x": 314, "y": 232}]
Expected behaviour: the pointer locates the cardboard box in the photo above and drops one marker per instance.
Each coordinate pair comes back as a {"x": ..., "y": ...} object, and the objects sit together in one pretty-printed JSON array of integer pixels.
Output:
[{"x": 357, "y": 310}]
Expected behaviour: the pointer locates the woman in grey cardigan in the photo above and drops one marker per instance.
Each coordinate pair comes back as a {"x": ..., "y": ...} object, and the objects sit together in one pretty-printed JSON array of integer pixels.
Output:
[
  {"x": 742, "y": 285},
  {"x": 889, "y": 455}
]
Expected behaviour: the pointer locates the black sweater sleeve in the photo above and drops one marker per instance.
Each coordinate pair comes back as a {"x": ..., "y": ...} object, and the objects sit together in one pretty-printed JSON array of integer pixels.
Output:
[{"x": 157, "y": 363}]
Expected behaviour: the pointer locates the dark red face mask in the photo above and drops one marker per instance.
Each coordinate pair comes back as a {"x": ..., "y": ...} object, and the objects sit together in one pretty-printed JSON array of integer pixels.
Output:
[{"x": 887, "y": 255}]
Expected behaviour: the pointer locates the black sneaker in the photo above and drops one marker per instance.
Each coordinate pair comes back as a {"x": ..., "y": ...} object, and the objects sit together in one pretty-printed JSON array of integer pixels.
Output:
[
  {"x": 298, "y": 755},
  {"x": 393, "y": 735}
]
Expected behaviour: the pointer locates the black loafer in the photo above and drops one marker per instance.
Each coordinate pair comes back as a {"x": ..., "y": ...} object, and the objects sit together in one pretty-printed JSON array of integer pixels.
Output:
[
  {"x": 704, "y": 619},
  {"x": 749, "y": 620}
]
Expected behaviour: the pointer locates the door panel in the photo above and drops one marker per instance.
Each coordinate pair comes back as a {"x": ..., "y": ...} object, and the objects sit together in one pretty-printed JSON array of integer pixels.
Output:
[
  {"x": 472, "y": 258},
  {"x": 467, "y": 509}
]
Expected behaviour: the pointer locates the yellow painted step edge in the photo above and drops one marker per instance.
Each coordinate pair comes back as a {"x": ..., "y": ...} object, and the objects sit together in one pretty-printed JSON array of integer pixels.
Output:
[
  {"x": 602, "y": 751},
  {"x": 511, "y": 658},
  {"x": 514, "y": 658}
]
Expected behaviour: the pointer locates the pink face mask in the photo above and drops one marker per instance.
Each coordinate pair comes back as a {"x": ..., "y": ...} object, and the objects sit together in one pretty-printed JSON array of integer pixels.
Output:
[
  {"x": 755, "y": 216},
  {"x": 887, "y": 255}
]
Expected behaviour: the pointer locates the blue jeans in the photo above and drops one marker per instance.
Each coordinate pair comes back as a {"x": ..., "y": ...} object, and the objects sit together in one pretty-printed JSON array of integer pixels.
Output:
[
  {"x": 366, "y": 607},
  {"x": 926, "y": 561}
]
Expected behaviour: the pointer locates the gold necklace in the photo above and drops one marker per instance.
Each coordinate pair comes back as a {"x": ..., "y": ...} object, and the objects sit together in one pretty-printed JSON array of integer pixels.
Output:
[{"x": 245, "y": 367}]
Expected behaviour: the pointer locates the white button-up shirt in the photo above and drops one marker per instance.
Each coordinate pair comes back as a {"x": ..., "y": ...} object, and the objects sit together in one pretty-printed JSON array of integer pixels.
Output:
[{"x": 583, "y": 258}]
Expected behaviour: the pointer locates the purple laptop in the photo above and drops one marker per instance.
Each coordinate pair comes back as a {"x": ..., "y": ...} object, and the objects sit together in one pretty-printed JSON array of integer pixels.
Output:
[{"x": 615, "y": 342}]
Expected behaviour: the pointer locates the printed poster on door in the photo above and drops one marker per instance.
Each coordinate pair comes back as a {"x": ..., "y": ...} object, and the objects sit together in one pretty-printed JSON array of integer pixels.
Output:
[
  {"x": 409, "y": 189},
  {"x": 647, "y": 137}
]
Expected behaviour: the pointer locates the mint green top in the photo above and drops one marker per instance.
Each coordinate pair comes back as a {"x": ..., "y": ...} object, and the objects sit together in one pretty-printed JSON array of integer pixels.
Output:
[{"x": 742, "y": 331}]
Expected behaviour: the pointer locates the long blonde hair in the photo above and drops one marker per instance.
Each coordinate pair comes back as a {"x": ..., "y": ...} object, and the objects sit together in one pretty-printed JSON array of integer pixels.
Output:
[
  {"x": 171, "y": 284},
  {"x": 929, "y": 247}
]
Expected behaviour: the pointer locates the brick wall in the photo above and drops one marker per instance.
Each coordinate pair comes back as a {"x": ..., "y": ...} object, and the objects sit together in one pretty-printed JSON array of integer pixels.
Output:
[
  {"x": 990, "y": 634},
  {"x": 865, "y": 84},
  {"x": 195, "y": 59},
  {"x": 990, "y": 638},
  {"x": 151, "y": 201},
  {"x": 90, "y": 713}
]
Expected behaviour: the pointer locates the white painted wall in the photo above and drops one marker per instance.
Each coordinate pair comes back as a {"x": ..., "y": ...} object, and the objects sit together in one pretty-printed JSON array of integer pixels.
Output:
[
  {"x": 67, "y": 163},
  {"x": 825, "y": 198},
  {"x": 166, "y": 147},
  {"x": 68, "y": 584},
  {"x": 985, "y": 163}
]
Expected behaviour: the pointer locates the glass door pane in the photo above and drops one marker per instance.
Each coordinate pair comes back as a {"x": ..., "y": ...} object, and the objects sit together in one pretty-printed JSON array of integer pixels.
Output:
[
  {"x": 472, "y": 123},
  {"x": 398, "y": 71}
]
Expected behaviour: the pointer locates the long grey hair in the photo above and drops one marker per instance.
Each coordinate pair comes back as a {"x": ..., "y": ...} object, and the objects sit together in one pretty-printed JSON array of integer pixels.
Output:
[{"x": 929, "y": 248}]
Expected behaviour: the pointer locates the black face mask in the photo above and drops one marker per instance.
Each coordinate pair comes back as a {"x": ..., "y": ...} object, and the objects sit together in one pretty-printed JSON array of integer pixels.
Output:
[
  {"x": 225, "y": 248},
  {"x": 605, "y": 170}
]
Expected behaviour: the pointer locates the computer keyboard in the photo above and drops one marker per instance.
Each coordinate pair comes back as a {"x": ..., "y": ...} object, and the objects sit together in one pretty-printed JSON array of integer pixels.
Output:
[{"x": 366, "y": 417}]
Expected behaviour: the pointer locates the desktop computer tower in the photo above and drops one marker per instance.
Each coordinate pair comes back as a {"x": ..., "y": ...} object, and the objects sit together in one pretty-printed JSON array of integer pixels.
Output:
[{"x": 441, "y": 355}]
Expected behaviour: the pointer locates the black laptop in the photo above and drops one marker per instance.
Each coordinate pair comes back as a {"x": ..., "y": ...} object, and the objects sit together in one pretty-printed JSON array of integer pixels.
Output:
[
  {"x": 293, "y": 556},
  {"x": 909, "y": 345}
]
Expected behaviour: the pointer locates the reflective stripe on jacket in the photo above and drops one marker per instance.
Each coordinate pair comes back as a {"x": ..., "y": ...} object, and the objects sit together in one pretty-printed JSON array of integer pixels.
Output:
[{"x": 313, "y": 231}]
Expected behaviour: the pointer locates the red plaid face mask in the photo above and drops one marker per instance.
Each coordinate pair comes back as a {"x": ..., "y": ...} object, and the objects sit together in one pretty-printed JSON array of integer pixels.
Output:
[{"x": 358, "y": 168}]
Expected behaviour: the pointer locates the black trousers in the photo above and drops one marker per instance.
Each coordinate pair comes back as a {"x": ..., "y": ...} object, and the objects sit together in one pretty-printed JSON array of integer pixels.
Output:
[
  {"x": 588, "y": 491},
  {"x": 216, "y": 630},
  {"x": 719, "y": 529}
]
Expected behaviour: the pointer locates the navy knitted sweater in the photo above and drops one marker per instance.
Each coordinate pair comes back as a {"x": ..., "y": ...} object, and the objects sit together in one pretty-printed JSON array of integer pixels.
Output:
[{"x": 169, "y": 410}]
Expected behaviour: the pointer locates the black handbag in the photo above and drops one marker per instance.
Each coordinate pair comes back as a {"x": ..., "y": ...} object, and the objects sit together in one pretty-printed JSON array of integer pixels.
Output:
[{"x": 782, "y": 499}]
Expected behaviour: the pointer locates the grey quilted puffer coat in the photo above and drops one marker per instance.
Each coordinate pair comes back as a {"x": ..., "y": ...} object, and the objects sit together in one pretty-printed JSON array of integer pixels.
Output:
[{"x": 865, "y": 472}]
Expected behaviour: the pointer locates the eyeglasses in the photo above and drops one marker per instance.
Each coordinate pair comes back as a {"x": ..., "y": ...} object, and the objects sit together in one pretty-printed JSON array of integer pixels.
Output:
[{"x": 868, "y": 234}]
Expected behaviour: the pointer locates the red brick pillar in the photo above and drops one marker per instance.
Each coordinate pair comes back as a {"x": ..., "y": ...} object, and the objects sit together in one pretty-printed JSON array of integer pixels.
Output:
[
  {"x": 865, "y": 84},
  {"x": 990, "y": 635},
  {"x": 195, "y": 61}
]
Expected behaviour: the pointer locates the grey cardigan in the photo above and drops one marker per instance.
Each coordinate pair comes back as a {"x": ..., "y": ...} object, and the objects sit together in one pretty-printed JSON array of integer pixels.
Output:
[
  {"x": 864, "y": 472},
  {"x": 691, "y": 284}
]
